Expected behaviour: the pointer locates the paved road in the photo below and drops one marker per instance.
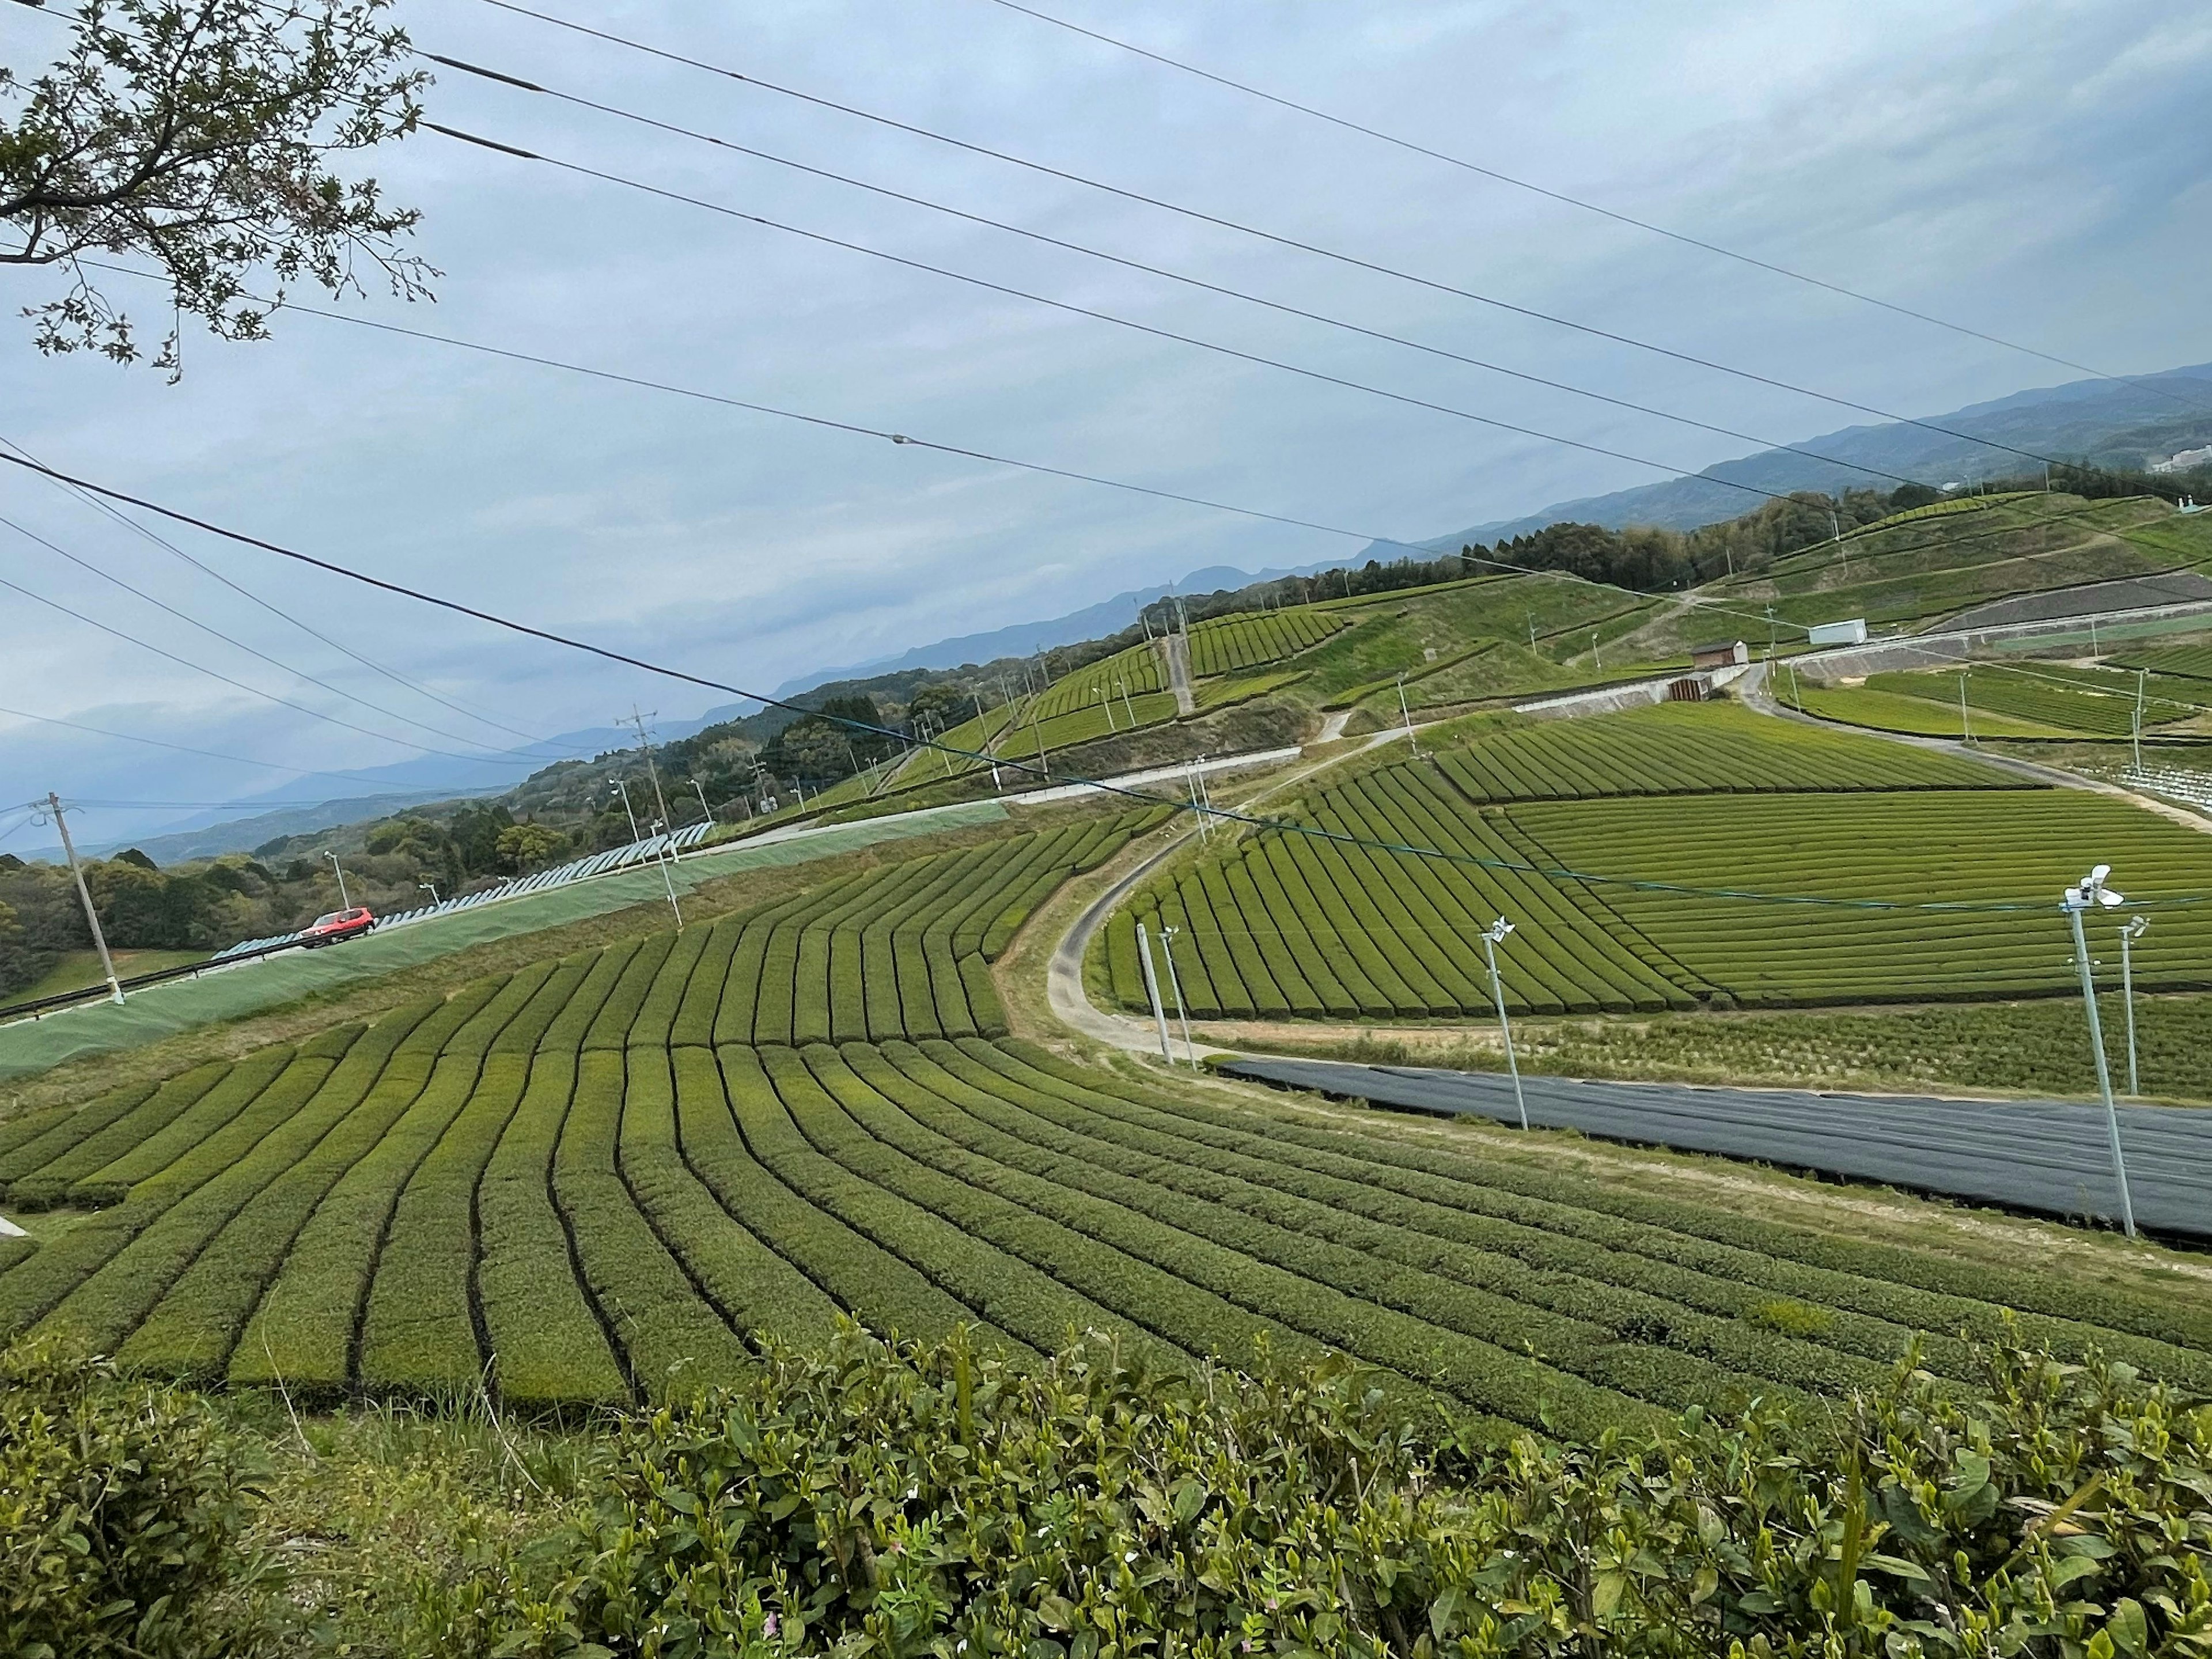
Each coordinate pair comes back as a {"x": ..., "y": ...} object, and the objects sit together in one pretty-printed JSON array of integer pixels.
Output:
[{"x": 2041, "y": 1155}]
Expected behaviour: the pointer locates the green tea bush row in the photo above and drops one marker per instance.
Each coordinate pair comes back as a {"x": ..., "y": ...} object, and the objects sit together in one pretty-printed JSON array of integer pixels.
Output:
[
  {"x": 41, "y": 1171},
  {"x": 1225, "y": 645},
  {"x": 547, "y": 1347},
  {"x": 190, "y": 1334},
  {"x": 1590, "y": 1325},
  {"x": 672, "y": 1337},
  {"x": 1917, "y": 1289},
  {"x": 210, "y": 1186},
  {"x": 1697, "y": 749},
  {"x": 1146, "y": 1304},
  {"x": 1484, "y": 1376}
]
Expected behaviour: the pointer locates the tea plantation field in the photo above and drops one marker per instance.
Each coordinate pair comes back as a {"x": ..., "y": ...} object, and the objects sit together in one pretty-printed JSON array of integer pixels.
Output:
[
  {"x": 1657, "y": 860},
  {"x": 584, "y": 1207}
]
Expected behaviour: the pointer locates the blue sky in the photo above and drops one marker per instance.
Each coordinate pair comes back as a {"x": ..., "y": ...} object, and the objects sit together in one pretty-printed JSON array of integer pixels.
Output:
[{"x": 2038, "y": 172}]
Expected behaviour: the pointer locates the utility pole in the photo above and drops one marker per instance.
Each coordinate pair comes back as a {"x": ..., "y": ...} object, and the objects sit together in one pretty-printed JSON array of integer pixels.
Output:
[
  {"x": 84, "y": 894},
  {"x": 703, "y": 807},
  {"x": 1965, "y": 731},
  {"x": 1596, "y": 659},
  {"x": 1107, "y": 704},
  {"x": 1174, "y": 984},
  {"x": 2088, "y": 892},
  {"x": 344, "y": 903},
  {"x": 1408, "y": 713},
  {"x": 2128, "y": 935},
  {"x": 1153, "y": 990},
  {"x": 1492, "y": 937},
  {"x": 2136, "y": 737},
  {"x": 651, "y": 770},
  {"x": 1127, "y": 706},
  {"x": 1532, "y": 630},
  {"x": 664, "y": 857}
]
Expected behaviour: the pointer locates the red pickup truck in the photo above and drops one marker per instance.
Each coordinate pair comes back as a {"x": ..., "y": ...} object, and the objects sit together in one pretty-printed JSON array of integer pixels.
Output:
[{"x": 338, "y": 925}]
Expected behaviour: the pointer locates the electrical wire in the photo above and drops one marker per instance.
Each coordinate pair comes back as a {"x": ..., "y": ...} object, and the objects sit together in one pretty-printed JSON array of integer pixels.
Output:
[
  {"x": 1618, "y": 217},
  {"x": 251, "y": 690},
  {"x": 1068, "y": 306},
  {"x": 1207, "y": 812},
  {"x": 645, "y": 383},
  {"x": 1161, "y": 271},
  {"x": 1318, "y": 250},
  {"x": 355, "y": 779},
  {"x": 216, "y": 633},
  {"x": 307, "y": 628}
]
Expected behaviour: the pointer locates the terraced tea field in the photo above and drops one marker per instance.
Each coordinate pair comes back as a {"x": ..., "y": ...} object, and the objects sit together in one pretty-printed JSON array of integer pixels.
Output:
[
  {"x": 513, "y": 1185},
  {"x": 1228, "y": 645},
  {"x": 1943, "y": 876}
]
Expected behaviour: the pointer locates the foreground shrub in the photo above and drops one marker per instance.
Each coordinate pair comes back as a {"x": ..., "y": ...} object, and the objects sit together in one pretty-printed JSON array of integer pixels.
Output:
[
  {"x": 901, "y": 1500},
  {"x": 120, "y": 1509}
]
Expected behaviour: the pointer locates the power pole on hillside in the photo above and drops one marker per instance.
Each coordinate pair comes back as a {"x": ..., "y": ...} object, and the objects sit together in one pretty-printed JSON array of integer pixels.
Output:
[
  {"x": 53, "y": 809},
  {"x": 651, "y": 770}
]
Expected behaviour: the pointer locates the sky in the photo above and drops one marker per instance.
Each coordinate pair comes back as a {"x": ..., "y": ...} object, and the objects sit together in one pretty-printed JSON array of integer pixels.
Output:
[{"x": 2040, "y": 172}]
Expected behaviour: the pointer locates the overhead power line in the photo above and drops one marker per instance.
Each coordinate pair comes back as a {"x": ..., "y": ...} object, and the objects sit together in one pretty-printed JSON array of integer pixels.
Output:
[
  {"x": 1105, "y": 787},
  {"x": 1566, "y": 199},
  {"x": 1242, "y": 228},
  {"x": 1257, "y": 359},
  {"x": 1183, "y": 277},
  {"x": 307, "y": 628},
  {"x": 251, "y": 690},
  {"x": 214, "y": 633},
  {"x": 352, "y": 779}
]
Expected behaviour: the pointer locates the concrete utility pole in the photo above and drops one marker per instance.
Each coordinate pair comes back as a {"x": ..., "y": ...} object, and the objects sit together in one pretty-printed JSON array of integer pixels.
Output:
[
  {"x": 1128, "y": 706},
  {"x": 344, "y": 903},
  {"x": 1965, "y": 731},
  {"x": 1174, "y": 984},
  {"x": 1406, "y": 712},
  {"x": 651, "y": 770},
  {"x": 665, "y": 857},
  {"x": 2136, "y": 737},
  {"x": 84, "y": 894},
  {"x": 1153, "y": 990}
]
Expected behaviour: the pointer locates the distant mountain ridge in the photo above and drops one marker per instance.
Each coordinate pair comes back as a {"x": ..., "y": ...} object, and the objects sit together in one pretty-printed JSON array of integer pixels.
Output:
[{"x": 2109, "y": 423}]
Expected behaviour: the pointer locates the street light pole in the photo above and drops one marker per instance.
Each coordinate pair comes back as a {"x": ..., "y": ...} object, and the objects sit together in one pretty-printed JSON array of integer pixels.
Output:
[
  {"x": 623, "y": 791},
  {"x": 344, "y": 903},
  {"x": 431, "y": 888},
  {"x": 2090, "y": 893},
  {"x": 84, "y": 895},
  {"x": 2128, "y": 935},
  {"x": 703, "y": 807},
  {"x": 1492, "y": 937}
]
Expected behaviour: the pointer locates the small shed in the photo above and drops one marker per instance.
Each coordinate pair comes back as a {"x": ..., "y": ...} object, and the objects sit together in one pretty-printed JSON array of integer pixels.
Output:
[
  {"x": 1725, "y": 655},
  {"x": 1853, "y": 632}
]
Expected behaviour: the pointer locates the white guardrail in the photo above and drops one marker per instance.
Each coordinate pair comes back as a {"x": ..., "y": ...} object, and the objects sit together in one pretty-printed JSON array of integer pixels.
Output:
[
  {"x": 583, "y": 869},
  {"x": 2176, "y": 783}
]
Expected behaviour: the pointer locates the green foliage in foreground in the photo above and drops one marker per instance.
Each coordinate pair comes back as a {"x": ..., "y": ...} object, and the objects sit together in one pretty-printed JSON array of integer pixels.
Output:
[
  {"x": 120, "y": 1511},
  {"x": 881, "y": 1500},
  {"x": 907, "y": 1501}
]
